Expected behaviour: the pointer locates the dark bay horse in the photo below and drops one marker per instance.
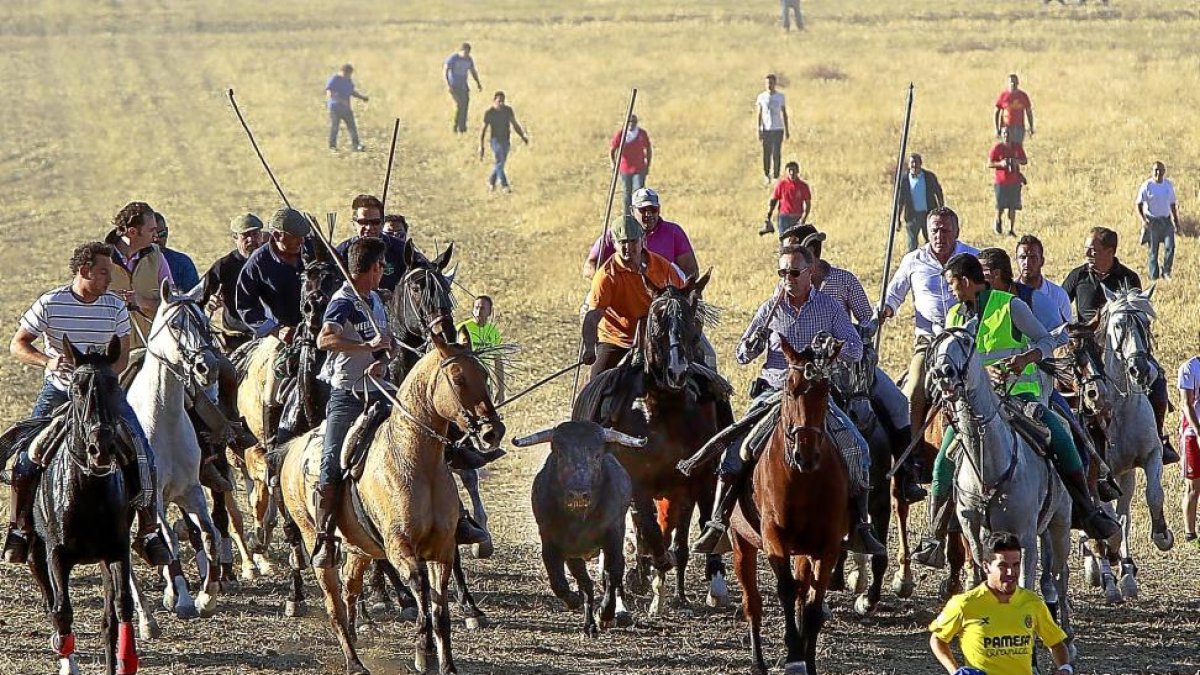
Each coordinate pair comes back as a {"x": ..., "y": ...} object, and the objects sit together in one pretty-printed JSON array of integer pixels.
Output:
[
  {"x": 676, "y": 418},
  {"x": 793, "y": 510},
  {"x": 81, "y": 513}
]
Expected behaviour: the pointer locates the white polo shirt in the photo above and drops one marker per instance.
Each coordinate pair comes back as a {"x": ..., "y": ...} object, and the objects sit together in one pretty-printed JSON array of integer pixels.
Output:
[
  {"x": 1158, "y": 198},
  {"x": 770, "y": 110}
]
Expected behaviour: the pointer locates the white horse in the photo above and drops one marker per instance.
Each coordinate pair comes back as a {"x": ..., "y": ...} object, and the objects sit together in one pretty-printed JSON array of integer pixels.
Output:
[
  {"x": 180, "y": 361},
  {"x": 1133, "y": 439},
  {"x": 1000, "y": 483}
]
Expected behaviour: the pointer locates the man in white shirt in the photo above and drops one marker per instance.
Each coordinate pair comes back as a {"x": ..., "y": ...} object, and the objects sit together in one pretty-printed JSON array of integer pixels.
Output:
[
  {"x": 771, "y": 118},
  {"x": 1156, "y": 207},
  {"x": 921, "y": 272}
]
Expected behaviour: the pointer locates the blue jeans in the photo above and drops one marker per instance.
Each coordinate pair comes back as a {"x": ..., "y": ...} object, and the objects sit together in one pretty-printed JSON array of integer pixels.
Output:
[
  {"x": 344, "y": 407},
  {"x": 633, "y": 182},
  {"x": 794, "y": 6},
  {"x": 784, "y": 221},
  {"x": 337, "y": 115},
  {"x": 462, "y": 99},
  {"x": 500, "y": 150},
  {"x": 1161, "y": 232}
]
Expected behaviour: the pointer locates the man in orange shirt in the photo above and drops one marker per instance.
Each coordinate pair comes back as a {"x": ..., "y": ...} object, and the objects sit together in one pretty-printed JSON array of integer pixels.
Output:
[
  {"x": 619, "y": 298},
  {"x": 1013, "y": 107}
]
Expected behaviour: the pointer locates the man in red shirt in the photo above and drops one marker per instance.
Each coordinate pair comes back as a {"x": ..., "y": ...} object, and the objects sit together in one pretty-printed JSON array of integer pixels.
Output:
[
  {"x": 1012, "y": 109},
  {"x": 1007, "y": 158},
  {"x": 635, "y": 158},
  {"x": 793, "y": 198}
]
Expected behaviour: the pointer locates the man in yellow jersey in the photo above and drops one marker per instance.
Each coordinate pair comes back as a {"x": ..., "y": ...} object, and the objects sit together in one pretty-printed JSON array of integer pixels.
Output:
[
  {"x": 480, "y": 333},
  {"x": 996, "y": 621}
]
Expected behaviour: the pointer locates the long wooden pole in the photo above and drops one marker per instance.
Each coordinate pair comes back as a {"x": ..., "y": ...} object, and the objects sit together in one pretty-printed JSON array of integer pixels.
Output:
[
  {"x": 387, "y": 176},
  {"x": 894, "y": 222},
  {"x": 254, "y": 144}
]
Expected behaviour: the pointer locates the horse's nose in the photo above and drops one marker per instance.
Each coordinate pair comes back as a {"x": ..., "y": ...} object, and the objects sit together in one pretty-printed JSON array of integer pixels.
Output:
[
  {"x": 579, "y": 499},
  {"x": 493, "y": 433},
  {"x": 93, "y": 449},
  {"x": 202, "y": 369}
]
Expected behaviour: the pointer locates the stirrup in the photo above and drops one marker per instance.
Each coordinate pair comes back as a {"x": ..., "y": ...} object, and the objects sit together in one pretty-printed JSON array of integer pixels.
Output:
[
  {"x": 153, "y": 549},
  {"x": 16, "y": 547},
  {"x": 930, "y": 553},
  {"x": 713, "y": 539}
]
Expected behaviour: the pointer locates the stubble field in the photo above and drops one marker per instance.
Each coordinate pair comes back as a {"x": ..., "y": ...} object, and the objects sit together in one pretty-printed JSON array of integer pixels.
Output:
[{"x": 114, "y": 101}]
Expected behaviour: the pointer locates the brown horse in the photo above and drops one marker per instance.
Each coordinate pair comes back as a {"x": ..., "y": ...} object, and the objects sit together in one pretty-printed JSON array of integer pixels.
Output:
[
  {"x": 794, "y": 511},
  {"x": 405, "y": 507}
]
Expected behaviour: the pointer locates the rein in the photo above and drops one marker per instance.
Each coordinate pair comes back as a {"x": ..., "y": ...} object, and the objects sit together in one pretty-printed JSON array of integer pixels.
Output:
[
  {"x": 79, "y": 413},
  {"x": 185, "y": 374},
  {"x": 473, "y": 420}
]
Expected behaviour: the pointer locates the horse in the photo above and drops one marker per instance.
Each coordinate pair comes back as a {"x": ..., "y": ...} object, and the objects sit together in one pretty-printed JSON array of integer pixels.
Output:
[
  {"x": 1000, "y": 482},
  {"x": 181, "y": 361},
  {"x": 405, "y": 507},
  {"x": 1124, "y": 328},
  {"x": 82, "y": 515},
  {"x": 676, "y": 424},
  {"x": 794, "y": 511}
]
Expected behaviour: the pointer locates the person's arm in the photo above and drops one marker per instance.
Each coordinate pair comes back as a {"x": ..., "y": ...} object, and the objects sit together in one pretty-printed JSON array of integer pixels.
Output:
[
  {"x": 787, "y": 130},
  {"x": 996, "y": 120},
  {"x": 354, "y": 93},
  {"x": 331, "y": 339},
  {"x": 614, "y": 146},
  {"x": 805, "y": 208},
  {"x": 483, "y": 134},
  {"x": 758, "y": 123},
  {"x": 123, "y": 359},
  {"x": 933, "y": 191},
  {"x": 1141, "y": 209},
  {"x": 247, "y": 297},
  {"x": 1189, "y": 407},
  {"x": 1041, "y": 342},
  {"x": 649, "y": 152},
  {"x": 858, "y": 303},
  {"x": 21, "y": 347},
  {"x": 475, "y": 74},
  {"x": 943, "y": 653},
  {"x": 754, "y": 340},
  {"x": 687, "y": 263},
  {"x": 897, "y": 289},
  {"x": 771, "y": 207},
  {"x": 446, "y": 74},
  {"x": 1029, "y": 114},
  {"x": 996, "y": 160},
  {"x": 519, "y": 130},
  {"x": 590, "y": 334},
  {"x": 1174, "y": 216},
  {"x": 842, "y": 329},
  {"x": 592, "y": 262}
]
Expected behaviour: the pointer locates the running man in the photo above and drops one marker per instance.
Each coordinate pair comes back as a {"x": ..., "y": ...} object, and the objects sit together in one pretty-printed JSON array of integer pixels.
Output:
[{"x": 457, "y": 67}]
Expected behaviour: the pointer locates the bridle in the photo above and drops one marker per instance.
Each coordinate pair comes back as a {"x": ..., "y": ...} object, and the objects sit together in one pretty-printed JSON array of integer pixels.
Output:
[
  {"x": 192, "y": 358},
  {"x": 813, "y": 373},
  {"x": 1118, "y": 334},
  {"x": 675, "y": 319},
  {"x": 82, "y": 411},
  {"x": 422, "y": 288},
  {"x": 475, "y": 423}
]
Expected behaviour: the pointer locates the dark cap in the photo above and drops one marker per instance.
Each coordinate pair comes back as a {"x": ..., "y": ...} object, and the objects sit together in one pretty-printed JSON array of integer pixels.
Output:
[
  {"x": 804, "y": 233},
  {"x": 290, "y": 221},
  {"x": 624, "y": 228},
  {"x": 247, "y": 222}
]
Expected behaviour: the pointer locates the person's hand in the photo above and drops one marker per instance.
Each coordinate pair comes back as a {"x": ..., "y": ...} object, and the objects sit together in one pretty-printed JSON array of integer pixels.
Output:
[
  {"x": 1031, "y": 131},
  {"x": 286, "y": 334},
  {"x": 760, "y": 135},
  {"x": 61, "y": 366},
  {"x": 758, "y": 341},
  {"x": 379, "y": 343},
  {"x": 365, "y": 99},
  {"x": 787, "y": 135},
  {"x": 589, "y": 355},
  {"x": 377, "y": 370},
  {"x": 885, "y": 314},
  {"x": 215, "y": 303},
  {"x": 525, "y": 140},
  {"x": 478, "y": 87},
  {"x": 128, "y": 297}
]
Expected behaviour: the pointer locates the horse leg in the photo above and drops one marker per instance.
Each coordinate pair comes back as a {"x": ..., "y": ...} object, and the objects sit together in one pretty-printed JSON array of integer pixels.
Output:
[
  {"x": 1128, "y": 581},
  {"x": 470, "y": 481},
  {"x": 439, "y": 582},
  {"x": 745, "y": 565},
  {"x": 583, "y": 581},
  {"x": 879, "y": 509},
  {"x": 679, "y": 515},
  {"x": 785, "y": 588},
  {"x": 813, "y": 586},
  {"x": 339, "y": 622},
  {"x": 1160, "y": 533},
  {"x": 238, "y": 534},
  {"x": 220, "y": 517},
  {"x": 126, "y": 644},
  {"x": 956, "y": 555},
  {"x": 408, "y": 604},
  {"x": 714, "y": 566},
  {"x": 651, "y": 542},
  {"x": 147, "y": 625},
  {"x": 108, "y": 621},
  {"x": 1060, "y": 546},
  {"x": 196, "y": 539},
  {"x": 903, "y": 584},
  {"x": 352, "y": 584},
  {"x": 424, "y": 637},
  {"x": 39, "y": 570},
  {"x": 62, "y": 614},
  {"x": 294, "y": 606},
  {"x": 474, "y": 616},
  {"x": 176, "y": 598},
  {"x": 195, "y": 508},
  {"x": 613, "y": 574}
]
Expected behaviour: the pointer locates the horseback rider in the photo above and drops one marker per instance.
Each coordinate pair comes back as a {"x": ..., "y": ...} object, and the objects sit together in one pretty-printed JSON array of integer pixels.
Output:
[
  {"x": 220, "y": 282},
  {"x": 368, "y": 218},
  {"x": 91, "y": 316},
  {"x": 888, "y": 400},
  {"x": 1083, "y": 287},
  {"x": 797, "y": 313},
  {"x": 1009, "y": 341},
  {"x": 662, "y": 236},
  {"x": 921, "y": 272},
  {"x": 139, "y": 267}
]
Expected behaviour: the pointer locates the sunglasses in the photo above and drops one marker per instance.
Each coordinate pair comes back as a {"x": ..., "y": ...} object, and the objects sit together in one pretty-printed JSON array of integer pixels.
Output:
[
  {"x": 648, "y": 209},
  {"x": 794, "y": 274},
  {"x": 369, "y": 221}
]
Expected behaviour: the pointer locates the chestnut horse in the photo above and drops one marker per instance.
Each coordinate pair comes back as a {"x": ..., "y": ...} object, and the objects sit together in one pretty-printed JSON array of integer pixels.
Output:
[{"x": 793, "y": 510}]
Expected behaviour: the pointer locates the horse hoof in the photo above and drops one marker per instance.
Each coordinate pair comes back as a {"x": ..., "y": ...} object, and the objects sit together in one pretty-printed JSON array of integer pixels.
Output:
[
  {"x": 249, "y": 573},
  {"x": 294, "y": 609},
  {"x": 356, "y": 669},
  {"x": 379, "y": 608},
  {"x": 476, "y": 622},
  {"x": 591, "y": 631},
  {"x": 185, "y": 612},
  {"x": 1112, "y": 595},
  {"x": 1164, "y": 541},
  {"x": 795, "y": 668},
  {"x": 862, "y": 606},
  {"x": 574, "y": 600},
  {"x": 1129, "y": 587},
  {"x": 408, "y": 614},
  {"x": 264, "y": 566},
  {"x": 1091, "y": 571},
  {"x": 206, "y": 605},
  {"x": 483, "y": 551},
  {"x": 420, "y": 659},
  {"x": 606, "y": 625},
  {"x": 623, "y": 619},
  {"x": 903, "y": 586},
  {"x": 718, "y": 592},
  {"x": 149, "y": 630}
]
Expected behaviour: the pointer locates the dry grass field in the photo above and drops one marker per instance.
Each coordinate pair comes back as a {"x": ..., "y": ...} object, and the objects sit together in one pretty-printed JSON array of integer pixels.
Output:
[{"x": 117, "y": 100}]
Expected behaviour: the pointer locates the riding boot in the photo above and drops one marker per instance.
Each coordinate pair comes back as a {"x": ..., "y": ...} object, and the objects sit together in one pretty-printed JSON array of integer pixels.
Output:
[
  {"x": 862, "y": 540},
  {"x": 272, "y": 415},
  {"x": 1096, "y": 523},
  {"x": 931, "y": 552},
  {"x": 714, "y": 539},
  {"x": 907, "y": 486},
  {"x": 468, "y": 531},
  {"x": 149, "y": 541},
  {"x": 25, "y": 476},
  {"x": 325, "y": 552},
  {"x": 1169, "y": 456}
]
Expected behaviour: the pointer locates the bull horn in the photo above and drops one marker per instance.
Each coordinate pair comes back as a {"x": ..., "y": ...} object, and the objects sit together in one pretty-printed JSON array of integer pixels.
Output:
[
  {"x": 543, "y": 436},
  {"x": 614, "y": 436}
]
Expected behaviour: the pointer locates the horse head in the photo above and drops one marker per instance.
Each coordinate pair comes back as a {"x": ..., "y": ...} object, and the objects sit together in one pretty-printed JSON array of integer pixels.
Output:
[
  {"x": 460, "y": 392},
  {"x": 423, "y": 303},
  {"x": 851, "y": 384},
  {"x": 674, "y": 324},
  {"x": 1087, "y": 371},
  {"x": 94, "y": 418},
  {"x": 319, "y": 280},
  {"x": 1125, "y": 320},
  {"x": 954, "y": 367},
  {"x": 181, "y": 337},
  {"x": 806, "y": 400}
]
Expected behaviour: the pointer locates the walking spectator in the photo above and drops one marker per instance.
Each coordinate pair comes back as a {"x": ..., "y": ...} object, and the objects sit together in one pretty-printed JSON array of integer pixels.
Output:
[
  {"x": 338, "y": 92},
  {"x": 183, "y": 268},
  {"x": 1160, "y": 219},
  {"x": 480, "y": 333},
  {"x": 1007, "y": 158},
  {"x": 770, "y": 113},
  {"x": 794, "y": 7},
  {"x": 458, "y": 65},
  {"x": 793, "y": 198},
  {"x": 635, "y": 158},
  {"x": 502, "y": 121},
  {"x": 920, "y": 193},
  {"x": 1189, "y": 426},
  {"x": 1013, "y": 109}
]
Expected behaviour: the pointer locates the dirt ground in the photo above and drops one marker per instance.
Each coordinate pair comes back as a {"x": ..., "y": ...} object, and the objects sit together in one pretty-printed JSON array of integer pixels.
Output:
[{"x": 122, "y": 100}]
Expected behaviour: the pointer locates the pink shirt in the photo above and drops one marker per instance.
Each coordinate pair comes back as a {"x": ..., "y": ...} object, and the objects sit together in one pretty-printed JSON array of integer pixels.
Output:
[
  {"x": 667, "y": 240},
  {"x": 633, "y": 157}
]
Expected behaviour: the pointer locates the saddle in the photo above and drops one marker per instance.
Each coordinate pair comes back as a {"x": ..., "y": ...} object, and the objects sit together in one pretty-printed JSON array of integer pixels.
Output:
[
  {"x": 1025, "y": 417},
  {"x": 358, "y": 440},
  {"x": 610, "y": 394}
]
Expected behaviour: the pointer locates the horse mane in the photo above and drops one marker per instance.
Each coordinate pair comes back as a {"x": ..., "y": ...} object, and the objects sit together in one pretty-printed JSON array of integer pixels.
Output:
[
  {"x": 1128, "y": 300},
  {"x": 495, "y": 357}
]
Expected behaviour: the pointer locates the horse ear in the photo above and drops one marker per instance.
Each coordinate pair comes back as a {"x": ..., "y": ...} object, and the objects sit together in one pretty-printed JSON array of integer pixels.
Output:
[
  {"x": 451, "y": 274},
  {"x": 697, "y": 286},
  {"x": 443, "y": 260},
  {"x": 1109, "y": 296},
  {"x": 72, "y": 355},
  {"x": 835, "y": 347},
  {"x": 440, "y": 343},
  {"x": 792, "y": 356},
  {"x": 195, "y": 295},
  {"x": 113, "y": 353},
  {"x": 166, "y": 292},
  {"x": 1149, "y": 292},
  {"x": 409, "y": 253}
]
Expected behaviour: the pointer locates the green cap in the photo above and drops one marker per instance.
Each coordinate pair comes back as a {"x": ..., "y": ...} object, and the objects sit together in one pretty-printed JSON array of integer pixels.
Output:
[
  {"x": 247, "y": 222},
  {"x": 290, "y": 221},
  {"x": 624, "y": 228}
]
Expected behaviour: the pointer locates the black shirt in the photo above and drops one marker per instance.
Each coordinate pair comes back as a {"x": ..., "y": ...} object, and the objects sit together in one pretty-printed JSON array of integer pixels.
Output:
[
  {"x": 501, "y": 120},
  {"x": 1083, "y": 287},
  {"x": 393, "y": 259},
  {"x": 222, "y": 278}
]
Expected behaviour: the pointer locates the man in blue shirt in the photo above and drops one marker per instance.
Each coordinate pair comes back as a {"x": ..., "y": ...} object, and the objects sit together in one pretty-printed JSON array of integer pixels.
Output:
[
  {"x": 368, "y": 217},
  {"x": 920, "y": 193},
  {"x": 338, "y": 92},
  {"x": 183, "y": 269},
  {"x": 269, "y": 285},
  {"x": 457, "y": 67}
]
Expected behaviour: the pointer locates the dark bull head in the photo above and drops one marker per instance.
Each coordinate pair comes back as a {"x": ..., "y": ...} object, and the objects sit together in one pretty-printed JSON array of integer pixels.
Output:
[{"x": 578, "y": 449}]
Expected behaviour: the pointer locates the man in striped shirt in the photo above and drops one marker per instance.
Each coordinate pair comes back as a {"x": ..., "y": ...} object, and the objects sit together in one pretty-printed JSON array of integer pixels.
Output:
[{"x": 85, "y": 311}]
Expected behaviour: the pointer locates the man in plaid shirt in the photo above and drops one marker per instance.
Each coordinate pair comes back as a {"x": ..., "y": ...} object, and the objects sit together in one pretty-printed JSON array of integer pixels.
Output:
[{"x": 797, "y": 313}]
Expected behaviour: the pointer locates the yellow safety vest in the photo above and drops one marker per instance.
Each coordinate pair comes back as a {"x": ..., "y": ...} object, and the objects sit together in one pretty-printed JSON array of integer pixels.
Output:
[
  {"x": 996, "y": 339},
  {"x": 486, "y": 335}
]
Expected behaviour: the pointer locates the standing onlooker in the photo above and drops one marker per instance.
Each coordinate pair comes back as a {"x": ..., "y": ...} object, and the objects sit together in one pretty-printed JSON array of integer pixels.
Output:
[
  {"x": 920, "y": 193},
  {"x": 635, "y": 158},
  {"x": 1160, "y": 219},
  {"x": 794, "y": 7},
  {"x": 183, "y": 268},
  {"x": 1013, "y": 108},
  {"x": 458, "y": 66},
  {"x": 794, "y": 199},
  {"x": 479, "y": 333},
  {"x": 501, "y": 120},
  {"x": 338, "y": 92},
  {"x": 1189, "y": 426},
  {"x": 770, "y": 113},
  {"x": 1007, "y": 158}
]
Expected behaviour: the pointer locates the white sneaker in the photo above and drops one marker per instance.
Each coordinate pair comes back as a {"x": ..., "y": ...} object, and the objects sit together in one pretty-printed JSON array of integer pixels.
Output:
[{"x": 491, "y": 187}]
